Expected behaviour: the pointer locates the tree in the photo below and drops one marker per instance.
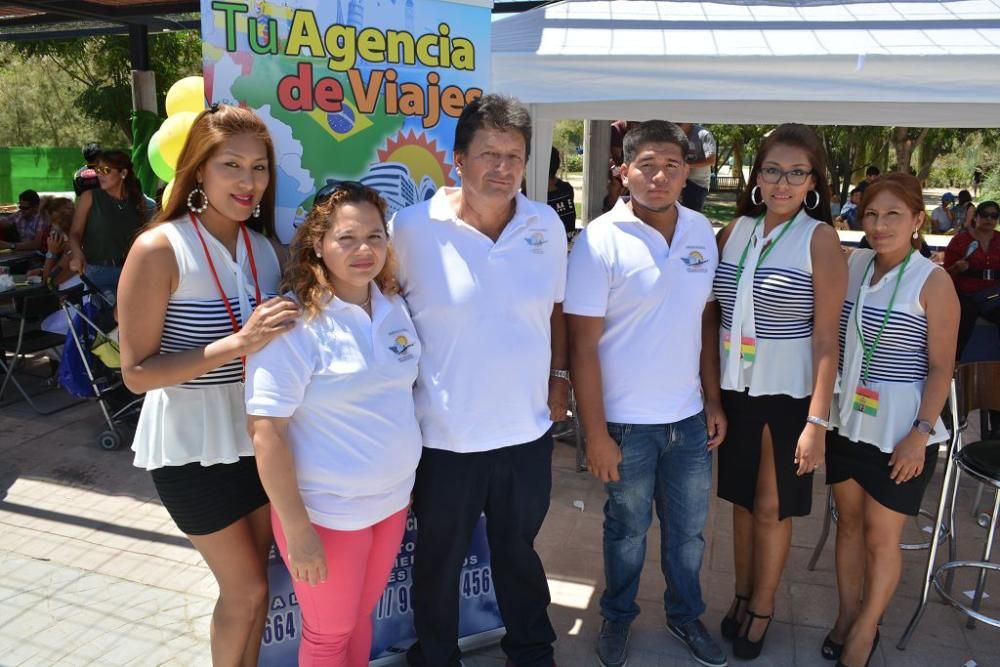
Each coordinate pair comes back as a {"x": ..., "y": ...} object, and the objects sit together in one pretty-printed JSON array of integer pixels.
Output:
[{"x": 101, "y": 70}]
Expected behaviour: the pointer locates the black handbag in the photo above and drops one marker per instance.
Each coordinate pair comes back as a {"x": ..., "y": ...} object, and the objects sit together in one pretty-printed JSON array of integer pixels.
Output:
[{"x": 987, "y": 300}]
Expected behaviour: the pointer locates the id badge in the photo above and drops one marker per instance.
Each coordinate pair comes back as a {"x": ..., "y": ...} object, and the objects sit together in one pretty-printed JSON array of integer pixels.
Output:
[
  {"x": 866, "y": 401},
  {"x": 748, "y": 346}
]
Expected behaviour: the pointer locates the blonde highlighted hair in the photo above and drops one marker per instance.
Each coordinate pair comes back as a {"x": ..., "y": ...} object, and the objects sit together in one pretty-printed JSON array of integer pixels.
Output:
[{"x": 306, "y": 275}]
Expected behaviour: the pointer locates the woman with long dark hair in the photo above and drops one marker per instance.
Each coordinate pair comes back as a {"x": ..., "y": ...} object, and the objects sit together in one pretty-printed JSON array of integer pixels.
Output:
[
  {"x": 106, "y": 220},
  {"x": 780, "y": 285},
  {"x": 899, "y": 323},
  {"x": 194, "y": 302}
]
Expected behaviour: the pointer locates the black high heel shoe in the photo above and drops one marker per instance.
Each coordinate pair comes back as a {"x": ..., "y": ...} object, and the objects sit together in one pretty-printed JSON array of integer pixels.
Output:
[
  {"x": 870, "y": 654},
  {"x": 831, "y": 650},
  {"x": 745, "y": 649},
  {"x": 730, "y": 625}
]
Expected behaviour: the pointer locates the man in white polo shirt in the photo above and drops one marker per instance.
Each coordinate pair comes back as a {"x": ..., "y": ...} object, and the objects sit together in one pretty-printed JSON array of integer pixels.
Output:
[
  {"x": 483, "y": 270},
  {"x": 645, "y": 360}
]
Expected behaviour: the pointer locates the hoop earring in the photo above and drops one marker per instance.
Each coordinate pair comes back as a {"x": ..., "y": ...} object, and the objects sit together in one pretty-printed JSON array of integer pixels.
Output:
[
  {"x": 256, "y": 211},
  {"x": 812, "y": 192},
  {"x": 204, "y": 199},
  {"x": 755, "y": 197}
]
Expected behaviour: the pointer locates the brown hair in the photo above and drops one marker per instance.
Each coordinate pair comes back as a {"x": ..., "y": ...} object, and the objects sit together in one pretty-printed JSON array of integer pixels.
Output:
[
  {"x": 210, "y": 130},
  {"x": 904, "y": 187},
  {"x": 121, "y": 161},
  {"x": 58, "y": 211},
  {"x": 798, "y": 136},
  {"x": 306, "y": 275}
]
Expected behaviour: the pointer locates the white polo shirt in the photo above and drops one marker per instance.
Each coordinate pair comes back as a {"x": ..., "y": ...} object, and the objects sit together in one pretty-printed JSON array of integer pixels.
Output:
[
  {"x": 483, "y": 312},
  {"x": 651, "y": 296},
  {"x": 346, "y": 382}
]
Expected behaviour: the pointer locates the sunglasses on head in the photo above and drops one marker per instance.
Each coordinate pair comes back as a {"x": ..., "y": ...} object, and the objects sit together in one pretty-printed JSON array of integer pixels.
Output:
[{"x": 332, "y": 186}]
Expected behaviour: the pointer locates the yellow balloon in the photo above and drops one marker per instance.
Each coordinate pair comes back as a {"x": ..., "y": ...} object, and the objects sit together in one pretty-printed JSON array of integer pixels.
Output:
[
  {"x": 165, "y": 197},
  {"x": 173, "y": 133},
  {"x": 188, "y": 94}
]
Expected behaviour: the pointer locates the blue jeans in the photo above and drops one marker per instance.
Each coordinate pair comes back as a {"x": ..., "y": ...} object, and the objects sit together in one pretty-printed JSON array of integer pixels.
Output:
[
  {"x": 671, "y": 465},
  {"x": 105, "y": 278}
]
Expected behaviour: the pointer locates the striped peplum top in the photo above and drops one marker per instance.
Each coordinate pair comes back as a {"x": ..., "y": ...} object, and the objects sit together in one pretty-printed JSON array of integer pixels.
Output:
[
  {"x": 898, "y": 368},
  {"x": 775, "y": 310},
  {"x": 204, "y": 419}
]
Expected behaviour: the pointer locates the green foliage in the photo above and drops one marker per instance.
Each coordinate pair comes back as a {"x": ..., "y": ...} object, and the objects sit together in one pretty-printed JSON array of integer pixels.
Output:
[
  {"x": 567, "y": 136},
  {"x": 571, "y": 162},
  {"x": 991, "y": 186},
  {"x": 93, "y": 77}
]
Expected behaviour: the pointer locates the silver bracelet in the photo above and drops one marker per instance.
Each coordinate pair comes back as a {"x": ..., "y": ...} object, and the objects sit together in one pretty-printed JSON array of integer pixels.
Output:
[
  {"x": 819, "y": 421},
  {"x": 559, "y": 373}
]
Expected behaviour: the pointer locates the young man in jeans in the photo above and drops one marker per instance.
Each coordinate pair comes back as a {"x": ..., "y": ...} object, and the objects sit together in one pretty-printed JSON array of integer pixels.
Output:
[{"x": 644, "y": 354}]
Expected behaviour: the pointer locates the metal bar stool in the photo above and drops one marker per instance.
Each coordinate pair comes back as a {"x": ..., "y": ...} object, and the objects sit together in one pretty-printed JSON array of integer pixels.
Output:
[
  {"x": 978, "y": 389},
  {"x": 944, "y": 530}
]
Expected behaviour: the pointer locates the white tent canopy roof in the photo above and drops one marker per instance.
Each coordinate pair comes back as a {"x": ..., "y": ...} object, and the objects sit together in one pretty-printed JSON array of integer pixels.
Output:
[{"x": 922, "y": 64}]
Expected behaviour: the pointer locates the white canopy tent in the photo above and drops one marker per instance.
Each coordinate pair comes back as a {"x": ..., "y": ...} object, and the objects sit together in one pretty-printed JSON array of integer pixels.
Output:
[{"x": 852, "y": 62}]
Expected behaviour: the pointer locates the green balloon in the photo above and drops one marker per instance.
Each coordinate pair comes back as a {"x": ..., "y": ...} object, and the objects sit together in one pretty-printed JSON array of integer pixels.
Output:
[{"x": 156, "y": 161}]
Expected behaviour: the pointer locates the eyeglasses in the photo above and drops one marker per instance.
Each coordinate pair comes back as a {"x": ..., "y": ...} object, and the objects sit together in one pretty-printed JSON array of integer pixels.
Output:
[
  {"x": 334, "y": 185},
  {"x": 773, "y": 175},
  {"x": 104, "y": 170}
]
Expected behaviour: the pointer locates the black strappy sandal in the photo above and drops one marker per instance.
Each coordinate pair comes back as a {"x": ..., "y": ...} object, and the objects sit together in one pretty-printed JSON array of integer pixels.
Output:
[
  {"x": 831, "y": 650},
  {"x": 730, "y": 625},
  {"x": 745, "y": 649},
  {"x": 871, "y": 654}
]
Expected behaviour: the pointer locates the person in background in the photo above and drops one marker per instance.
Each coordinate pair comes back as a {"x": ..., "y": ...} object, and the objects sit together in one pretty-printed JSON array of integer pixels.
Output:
[
  {"x": 652, "y": 418},
  {"x": 871, "y": 175},
  {"x": 55, "y": 271},
  {"x": 27, "y": 228},
  {"x": 943, "y": 215},
  {"x": 106, "y": 220},
  {"x": 849, "y": 213},
  {"x": 194, "y": 301},
  {"x": 977, "y": 180},
  {"x": 702, "y": 148},
  {"x": 780, "y": 286},
  {"x": 483, "y": 270},
  {"x": 333, "y": 426},
  {"x": 964, "y": 211},
  {"x": 972, "y": 258},
  {"x": 900, "y": 319},
  {"x": 85, "y": 177},
  {"x": 560, "y": 196}
]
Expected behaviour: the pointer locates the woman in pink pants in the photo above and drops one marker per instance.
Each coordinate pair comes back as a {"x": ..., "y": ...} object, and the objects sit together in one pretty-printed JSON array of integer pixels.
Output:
[{"x": 331, "y": 415}]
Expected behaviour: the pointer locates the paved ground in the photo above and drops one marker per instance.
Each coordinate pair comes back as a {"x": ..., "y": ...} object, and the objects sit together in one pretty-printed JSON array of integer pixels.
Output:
[{"x": 92, "y": 571}]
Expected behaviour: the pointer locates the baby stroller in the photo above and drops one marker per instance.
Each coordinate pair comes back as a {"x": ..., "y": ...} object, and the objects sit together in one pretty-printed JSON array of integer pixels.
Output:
[{"x": 91, "y": 363}]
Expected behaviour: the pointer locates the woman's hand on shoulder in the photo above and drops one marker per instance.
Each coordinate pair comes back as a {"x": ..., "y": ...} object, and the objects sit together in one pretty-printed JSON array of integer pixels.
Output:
[{"x": 268, "y": 321}]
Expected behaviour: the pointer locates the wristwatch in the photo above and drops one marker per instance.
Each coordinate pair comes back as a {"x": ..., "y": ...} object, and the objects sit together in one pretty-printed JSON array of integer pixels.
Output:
[
  {"x": 923, "y": 426},
  {"x": 558, "y": 373}
]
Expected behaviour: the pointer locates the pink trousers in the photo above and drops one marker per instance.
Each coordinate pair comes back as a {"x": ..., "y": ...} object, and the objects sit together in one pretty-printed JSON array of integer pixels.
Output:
[{"x": 336, "y": 615}]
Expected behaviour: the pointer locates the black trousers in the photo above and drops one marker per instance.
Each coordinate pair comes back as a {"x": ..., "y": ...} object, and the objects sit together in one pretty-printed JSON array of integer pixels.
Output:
[
  {"x": 512, "y": 486},
  {"x": 967, "y": 324}
]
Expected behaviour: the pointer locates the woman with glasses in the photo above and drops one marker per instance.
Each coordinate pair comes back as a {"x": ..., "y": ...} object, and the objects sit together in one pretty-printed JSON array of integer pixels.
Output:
[
  {"x": 780, "y": 285},
  {"x": 106, "y": 220},
  {"x": 194, "y": 301},
  {"x": 898, "y": 329},
  {"x": 331, "y": 415},
  {"x": 973, "y": 260}
]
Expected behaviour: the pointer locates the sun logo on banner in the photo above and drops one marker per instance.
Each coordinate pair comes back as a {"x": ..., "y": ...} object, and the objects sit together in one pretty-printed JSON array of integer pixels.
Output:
[{"x": 421, "y": 156}]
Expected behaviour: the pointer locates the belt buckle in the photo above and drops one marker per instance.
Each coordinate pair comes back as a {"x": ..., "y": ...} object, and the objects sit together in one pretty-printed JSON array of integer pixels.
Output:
[{"x": 988, "y": 274}]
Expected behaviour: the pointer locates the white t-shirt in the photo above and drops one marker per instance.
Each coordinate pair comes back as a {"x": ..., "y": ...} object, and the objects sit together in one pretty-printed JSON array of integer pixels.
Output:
[
  {"x": 940, "y": 220},
  {"x": 346, "y": 382},
  {"x": 483, "y": 312},
  {"x": 651, "y": 296}
]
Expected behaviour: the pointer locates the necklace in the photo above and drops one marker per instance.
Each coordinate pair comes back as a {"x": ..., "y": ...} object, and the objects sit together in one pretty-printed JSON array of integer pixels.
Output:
[{"x": 119, "y": 202}]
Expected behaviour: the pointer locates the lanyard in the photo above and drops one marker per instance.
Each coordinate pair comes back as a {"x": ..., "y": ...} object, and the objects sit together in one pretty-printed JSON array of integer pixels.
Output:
[
  {"x": 218, "y": 284},
  {"x": 767, "y": 249},
  {"x": 869, "y": 350}
]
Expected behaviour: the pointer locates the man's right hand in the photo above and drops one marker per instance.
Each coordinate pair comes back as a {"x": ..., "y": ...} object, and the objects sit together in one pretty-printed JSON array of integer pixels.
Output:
[{"x": 603, "y": 457}]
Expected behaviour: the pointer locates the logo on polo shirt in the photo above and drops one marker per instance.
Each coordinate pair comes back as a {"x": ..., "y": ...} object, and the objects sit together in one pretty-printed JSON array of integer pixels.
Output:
[
  {"x": 400, "y": 344},
  {"x": 535, "y": 241},
  {"x": 695, "y": 261}
]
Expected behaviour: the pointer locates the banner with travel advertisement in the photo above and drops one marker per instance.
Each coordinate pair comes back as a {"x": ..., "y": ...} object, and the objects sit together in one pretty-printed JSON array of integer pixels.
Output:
[
  {"x": 350, "y": 90},
  {"x": 479, "y": 617}
]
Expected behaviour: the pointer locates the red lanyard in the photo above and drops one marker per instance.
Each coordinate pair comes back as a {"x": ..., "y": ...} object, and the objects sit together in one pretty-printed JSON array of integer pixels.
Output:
[{"x": 215, "y": 276}]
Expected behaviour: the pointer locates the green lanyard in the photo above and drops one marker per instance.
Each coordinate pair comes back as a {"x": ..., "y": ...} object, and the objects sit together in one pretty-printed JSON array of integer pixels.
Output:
[
  {"x": 870, "y": 349},
  {"x": 767, "y": 249}
]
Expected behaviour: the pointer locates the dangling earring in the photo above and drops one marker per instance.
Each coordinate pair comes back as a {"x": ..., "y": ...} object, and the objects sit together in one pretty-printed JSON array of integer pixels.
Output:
[
  {"x": 204, "y": 199},
  {"x": 916, "y": 234},
  {"x": 319, "y": 255},
  {"x": 812, "y": 192},
  {"x": 755, "y": 197},
  {"x": 256, "y": 211}
]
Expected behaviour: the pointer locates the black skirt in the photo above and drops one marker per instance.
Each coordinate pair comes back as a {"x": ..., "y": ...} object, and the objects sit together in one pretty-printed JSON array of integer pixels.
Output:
[
  {"x": 869, "y": 466},
  {"x": 739, "y": 454},
  {"x": 205, "y": 499}
]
